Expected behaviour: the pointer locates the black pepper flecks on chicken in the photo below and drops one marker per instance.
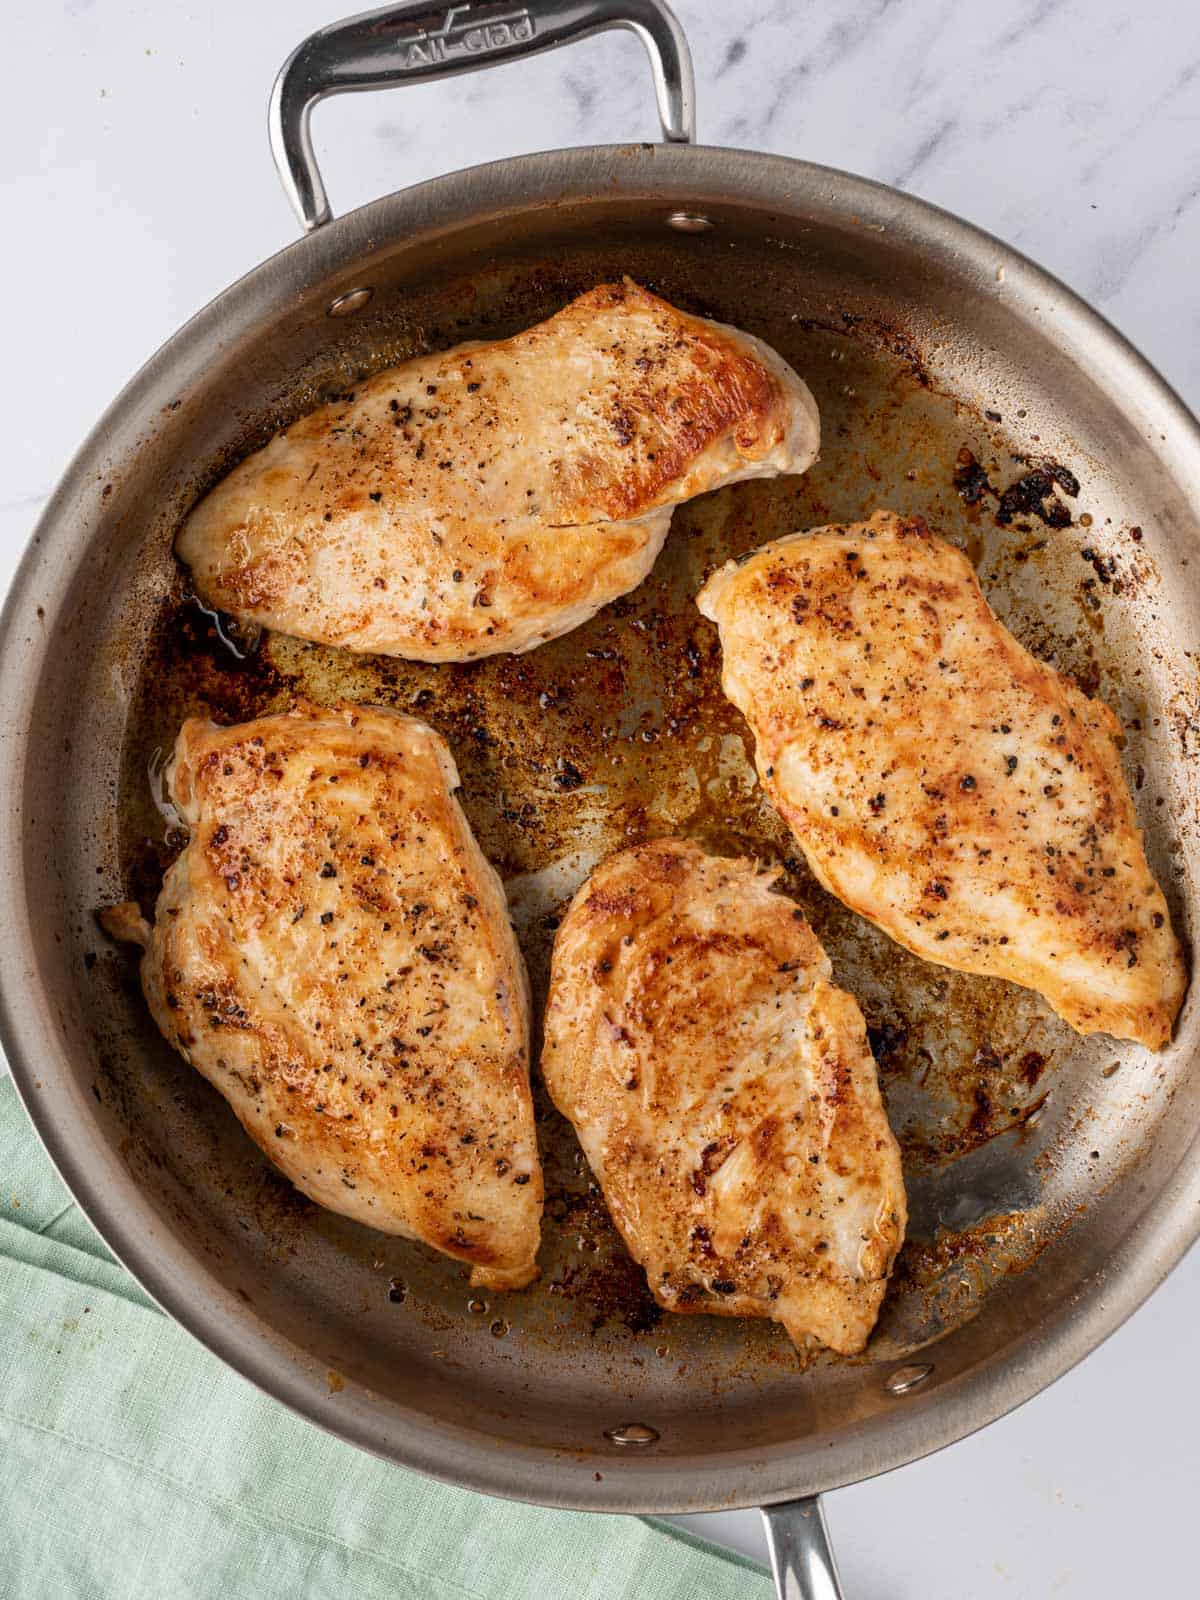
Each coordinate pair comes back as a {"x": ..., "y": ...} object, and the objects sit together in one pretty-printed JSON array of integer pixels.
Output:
[
  {"x": 333, "y": 952},
  {"x": 494, "y": 496},
  {"x": 963, "y": 796}
]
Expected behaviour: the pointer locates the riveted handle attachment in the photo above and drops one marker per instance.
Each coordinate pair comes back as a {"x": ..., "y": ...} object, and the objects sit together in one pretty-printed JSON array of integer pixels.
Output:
[{"x": 418, "y": 42}]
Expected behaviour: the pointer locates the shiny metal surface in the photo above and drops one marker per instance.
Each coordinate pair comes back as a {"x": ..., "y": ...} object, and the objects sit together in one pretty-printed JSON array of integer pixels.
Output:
[
  {"x": 802, "y": 1561},
  {"x": 632, "y": 1434},
  {"x": 350, "y": 303},
  {"x": 905, "y": 1379},
  {"x": 1038, "y": 1223},
  {"x": 689, "y": 222},
  {"x": 420, "y": 42}
]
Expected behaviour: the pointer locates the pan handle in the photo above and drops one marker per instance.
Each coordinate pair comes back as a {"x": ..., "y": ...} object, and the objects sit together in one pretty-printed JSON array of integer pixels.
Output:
[
  {"x": 418, "y": 42},
  {"x": 801, "y": 1555}
]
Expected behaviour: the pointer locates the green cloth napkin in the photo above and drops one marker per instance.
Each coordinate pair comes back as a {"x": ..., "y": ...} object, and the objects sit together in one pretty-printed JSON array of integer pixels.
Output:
[{"x": 134, "y": 1466}]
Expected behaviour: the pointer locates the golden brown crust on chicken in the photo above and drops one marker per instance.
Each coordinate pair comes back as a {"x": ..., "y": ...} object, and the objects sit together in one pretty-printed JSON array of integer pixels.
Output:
[
  {"x": 497, "y": 495},
  {"x": 963, "y": 796},
  {"x": 724, "y": 1094},
  {"x": 333, "y": 952}
]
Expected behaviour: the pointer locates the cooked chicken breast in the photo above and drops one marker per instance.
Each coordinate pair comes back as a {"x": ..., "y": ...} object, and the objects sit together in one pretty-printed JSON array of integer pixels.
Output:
[
  {"x": 497, "y": 495},
  {"x": 724, "y": 1094},
  {"x": 963, "y": 796},
  {"x": 333, "y": 952}
]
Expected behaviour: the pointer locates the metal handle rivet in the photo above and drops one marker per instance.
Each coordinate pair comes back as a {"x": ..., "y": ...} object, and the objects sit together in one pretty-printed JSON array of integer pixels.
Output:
[
  {"x": 347, "y": 304},
  {"x": 905, "y": 1379},
  {"x": 689, "y": 222},
  {"x": 635, "y": 1433}
]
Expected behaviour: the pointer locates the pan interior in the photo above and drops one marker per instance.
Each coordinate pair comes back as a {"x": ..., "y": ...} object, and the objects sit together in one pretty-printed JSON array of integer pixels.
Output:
[{"x": 1027, "y": 1150}]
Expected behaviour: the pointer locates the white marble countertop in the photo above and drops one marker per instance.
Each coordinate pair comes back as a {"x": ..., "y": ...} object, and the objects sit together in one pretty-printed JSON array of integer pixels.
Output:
[{"x": 137, "y": 184}]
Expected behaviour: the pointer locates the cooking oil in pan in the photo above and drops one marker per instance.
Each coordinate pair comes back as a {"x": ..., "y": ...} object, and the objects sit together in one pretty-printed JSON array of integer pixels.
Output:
[{"x": 619, "y": 733}]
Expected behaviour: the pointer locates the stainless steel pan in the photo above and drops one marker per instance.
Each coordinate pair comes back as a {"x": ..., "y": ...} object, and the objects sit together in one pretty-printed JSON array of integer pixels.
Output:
[{"x": 1054, "y": 1180}]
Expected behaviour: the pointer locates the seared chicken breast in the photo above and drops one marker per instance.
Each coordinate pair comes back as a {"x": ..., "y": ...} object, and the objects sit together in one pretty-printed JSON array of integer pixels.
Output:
[
  {"x": 333, "y": 952},
  {"x": 963, "y": 796},
  {"x": 724, "y": 1094},
  {"x": 497, "y": 495}
]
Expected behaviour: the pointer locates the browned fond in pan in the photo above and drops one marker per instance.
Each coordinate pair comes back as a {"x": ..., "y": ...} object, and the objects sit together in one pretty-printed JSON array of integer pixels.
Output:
[
  {"x": 618, "y": 733},
  {"x": 1032, "y": 1156}
]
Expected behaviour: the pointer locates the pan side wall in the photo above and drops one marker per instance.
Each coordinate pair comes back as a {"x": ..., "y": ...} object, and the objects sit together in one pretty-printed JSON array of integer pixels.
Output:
[{"x": 907, "y": 349}]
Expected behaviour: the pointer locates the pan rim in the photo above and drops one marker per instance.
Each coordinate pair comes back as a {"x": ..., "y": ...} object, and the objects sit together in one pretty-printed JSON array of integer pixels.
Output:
[{"x": 40, "y": 1068}]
